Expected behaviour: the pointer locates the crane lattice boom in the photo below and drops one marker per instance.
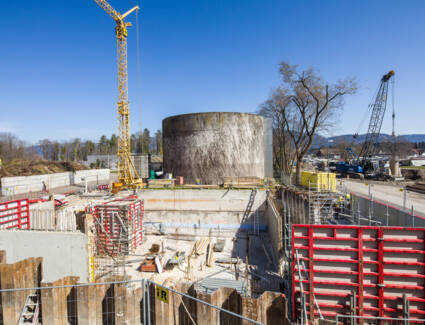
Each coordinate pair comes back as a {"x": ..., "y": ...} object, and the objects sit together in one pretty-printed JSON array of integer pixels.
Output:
[
  {"x": 378, "y": 111},
  {"x": 127, "y": 174}
]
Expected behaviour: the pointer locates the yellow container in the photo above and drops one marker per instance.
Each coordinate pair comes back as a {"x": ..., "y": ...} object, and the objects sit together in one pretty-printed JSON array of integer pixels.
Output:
[{"x": 319, "y": 181}]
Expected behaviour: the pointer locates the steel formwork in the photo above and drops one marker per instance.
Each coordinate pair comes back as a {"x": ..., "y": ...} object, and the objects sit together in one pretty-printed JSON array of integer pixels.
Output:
[
  {"x": 15, "y": 214},
  {"x": 118, "y": 226},
  {"x": 359, "y": 271}
]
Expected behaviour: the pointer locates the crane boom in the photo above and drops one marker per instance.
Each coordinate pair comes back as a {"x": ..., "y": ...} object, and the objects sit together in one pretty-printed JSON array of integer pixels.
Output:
[
  {"x": 378, "y": 111},
  {"x": 108, "y": 8},
  {"x": 127, "y": 173}
]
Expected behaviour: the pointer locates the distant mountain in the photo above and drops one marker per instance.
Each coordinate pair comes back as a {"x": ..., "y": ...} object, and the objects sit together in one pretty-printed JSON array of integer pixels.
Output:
[
  {"x": 321, "y": 141},
  {"x": 414, "y": 137}
]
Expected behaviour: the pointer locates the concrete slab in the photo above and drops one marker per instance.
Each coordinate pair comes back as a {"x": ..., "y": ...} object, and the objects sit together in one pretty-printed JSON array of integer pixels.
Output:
[{"x": 386, "y": 193}]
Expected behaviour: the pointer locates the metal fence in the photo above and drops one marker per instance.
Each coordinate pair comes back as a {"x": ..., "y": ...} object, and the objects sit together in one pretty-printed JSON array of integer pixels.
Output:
[{"x": 110, "y": 303}]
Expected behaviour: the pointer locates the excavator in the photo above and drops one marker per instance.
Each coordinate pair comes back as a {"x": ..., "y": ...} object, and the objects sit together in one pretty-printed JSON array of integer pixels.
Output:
[{"x": 362, "y": 165}]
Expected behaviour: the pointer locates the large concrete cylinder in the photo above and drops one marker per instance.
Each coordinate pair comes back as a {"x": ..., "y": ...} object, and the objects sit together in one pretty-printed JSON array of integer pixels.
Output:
[{"x": 210, "y": 146}]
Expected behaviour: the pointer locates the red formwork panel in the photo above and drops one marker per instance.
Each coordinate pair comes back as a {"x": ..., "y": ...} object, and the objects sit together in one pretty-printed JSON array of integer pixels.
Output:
[
  {"x": 375, "y": 265},
  {"x": 118, "y": 226},
  {"x": 15, "y": 214}
]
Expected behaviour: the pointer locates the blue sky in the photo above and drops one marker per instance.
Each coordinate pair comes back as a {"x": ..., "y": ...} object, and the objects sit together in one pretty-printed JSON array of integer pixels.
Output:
[{"x": 58, "y": 60}]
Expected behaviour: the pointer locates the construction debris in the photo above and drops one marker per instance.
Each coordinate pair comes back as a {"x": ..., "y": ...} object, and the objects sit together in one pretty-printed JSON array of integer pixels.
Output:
[
  {"x": 210, "y": 257},
  {"x": 417, "y": 187}
]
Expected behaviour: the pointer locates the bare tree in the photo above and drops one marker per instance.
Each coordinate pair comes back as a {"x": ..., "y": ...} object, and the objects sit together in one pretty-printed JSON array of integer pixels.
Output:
[
  {"x": 303, "y": 106},
  {"x": 277, "y": 108},
  {"x": 46, "y": 148}
]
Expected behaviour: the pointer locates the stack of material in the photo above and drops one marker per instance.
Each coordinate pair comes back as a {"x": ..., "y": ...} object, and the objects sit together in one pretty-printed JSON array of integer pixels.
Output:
[
  {"x": 417, "y": 187},
  {"x": 160, "y": 183},
  {"x": 242, "y": 182},
  {"x": 212, "y": 284},
  {"x": 201, "y": 186},
  {"x": 200, "y": 246}
]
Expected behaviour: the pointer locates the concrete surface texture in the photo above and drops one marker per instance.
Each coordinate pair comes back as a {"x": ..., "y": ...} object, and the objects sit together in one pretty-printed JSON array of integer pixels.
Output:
[
  {"x": 64, "y": 254},
  {"x": 386, "y": 193},
  {"x": 210, "y": 146},
  {"x": 188, "y": 208},
  {"x": 268, "y": 147}
]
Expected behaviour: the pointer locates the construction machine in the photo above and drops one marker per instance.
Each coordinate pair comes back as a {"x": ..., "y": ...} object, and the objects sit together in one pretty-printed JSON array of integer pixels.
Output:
[
  {"x": 128, "y": 176},
  {"x": 362, "y": 165}
]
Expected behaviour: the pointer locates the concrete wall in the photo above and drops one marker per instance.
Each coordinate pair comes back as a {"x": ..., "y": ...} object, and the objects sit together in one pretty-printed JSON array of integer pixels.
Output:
[
  {"x": 210, "y": 146},
  {"x": 268, "y": 147},
  {"x": 274, "y": 225},
  {"x": 64, "y": 254},
  {"x": 27, "y": 184},
  {"x": 387, "y": 214},
  {"x": 220, "y": 209},
  {"x": 91, "y": 175}
]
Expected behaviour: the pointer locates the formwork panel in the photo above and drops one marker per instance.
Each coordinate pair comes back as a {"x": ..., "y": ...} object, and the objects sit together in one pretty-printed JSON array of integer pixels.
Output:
[
  {"x": 375, "y": 267},
  {"x": 118, "y": 226},
  {"x": 15, "y": 215}
]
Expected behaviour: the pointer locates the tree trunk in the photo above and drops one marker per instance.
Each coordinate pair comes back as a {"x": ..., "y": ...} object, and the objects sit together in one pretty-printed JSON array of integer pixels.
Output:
[{"x": 298, "y": 172}]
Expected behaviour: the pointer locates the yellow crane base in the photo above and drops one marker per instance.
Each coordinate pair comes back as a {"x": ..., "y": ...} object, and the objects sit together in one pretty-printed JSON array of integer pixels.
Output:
[{"x": 119, "y": 186}]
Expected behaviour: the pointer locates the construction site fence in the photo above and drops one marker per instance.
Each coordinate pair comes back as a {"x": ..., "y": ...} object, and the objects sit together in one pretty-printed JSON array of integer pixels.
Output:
[{"x": 109, "y": 303}]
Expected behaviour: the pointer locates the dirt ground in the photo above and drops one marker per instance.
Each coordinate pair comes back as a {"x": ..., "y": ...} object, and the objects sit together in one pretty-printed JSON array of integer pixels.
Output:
[{"x": 20, "y": 167}]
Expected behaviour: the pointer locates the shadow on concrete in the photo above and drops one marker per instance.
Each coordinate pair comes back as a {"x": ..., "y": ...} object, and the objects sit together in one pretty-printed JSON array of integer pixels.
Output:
[
  {"x": 258, "y": 247},
  {"x": 72, "y": 308},
  {"x": 108, "y": 307},
  {"x": 231, "y": 303}
]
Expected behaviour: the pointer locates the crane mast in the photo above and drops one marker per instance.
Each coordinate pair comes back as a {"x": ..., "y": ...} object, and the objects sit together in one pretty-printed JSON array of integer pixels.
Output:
[{"x": 127, "y": 173}]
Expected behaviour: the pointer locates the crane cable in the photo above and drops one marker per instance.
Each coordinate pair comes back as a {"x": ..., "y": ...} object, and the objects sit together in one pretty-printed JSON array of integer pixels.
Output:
[{"x": 393, "y": 104}]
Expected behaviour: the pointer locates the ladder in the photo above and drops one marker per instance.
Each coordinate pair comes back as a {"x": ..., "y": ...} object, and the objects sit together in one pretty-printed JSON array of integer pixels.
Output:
[{"x": 29, "y": 314}]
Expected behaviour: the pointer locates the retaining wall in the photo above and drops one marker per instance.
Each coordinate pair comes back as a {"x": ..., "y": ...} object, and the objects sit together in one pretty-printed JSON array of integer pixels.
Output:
[
  {"x": 386, "y": 214},
  {"x": 27, "y": 184},
  {"x": 91, "y": 175},
  {"x": 274, "y": 225},
  {"x": 203, "y": 209},
  {"x": 65, "y": 254}
]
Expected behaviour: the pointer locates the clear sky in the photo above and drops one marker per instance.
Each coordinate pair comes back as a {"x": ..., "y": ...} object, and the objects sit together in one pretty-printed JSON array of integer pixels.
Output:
[{"x": 58, "y": 60}]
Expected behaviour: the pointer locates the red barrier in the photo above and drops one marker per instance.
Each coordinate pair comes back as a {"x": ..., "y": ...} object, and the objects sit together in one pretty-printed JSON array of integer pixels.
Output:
[
  {"x": 374, "y": 267},
  {"x": 15, "y": 214}
]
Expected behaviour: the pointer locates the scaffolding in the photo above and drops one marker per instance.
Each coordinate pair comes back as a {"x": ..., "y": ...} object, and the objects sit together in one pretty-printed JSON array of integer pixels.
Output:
[{"x": 321, "y": 204}]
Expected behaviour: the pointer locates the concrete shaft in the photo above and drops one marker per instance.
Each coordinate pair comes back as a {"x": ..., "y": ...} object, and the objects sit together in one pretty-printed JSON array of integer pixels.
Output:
[{"x": 210, "y": 146}]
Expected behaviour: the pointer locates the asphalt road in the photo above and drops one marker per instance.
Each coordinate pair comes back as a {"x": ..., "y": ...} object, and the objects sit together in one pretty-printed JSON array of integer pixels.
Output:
[{"x": 393, "y": 194}]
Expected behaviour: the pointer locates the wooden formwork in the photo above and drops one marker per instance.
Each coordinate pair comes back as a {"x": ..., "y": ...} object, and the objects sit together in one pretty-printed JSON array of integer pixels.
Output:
[{"x": 360, "y": 271}]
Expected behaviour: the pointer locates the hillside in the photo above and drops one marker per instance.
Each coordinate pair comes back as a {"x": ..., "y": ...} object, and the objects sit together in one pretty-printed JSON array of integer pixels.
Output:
[
  {"x": 320, "y": 141},
  {"x": 21, "y": 167}
]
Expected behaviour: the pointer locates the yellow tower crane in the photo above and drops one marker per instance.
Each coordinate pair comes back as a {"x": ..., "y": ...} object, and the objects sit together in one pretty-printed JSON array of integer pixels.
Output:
[{"x": 127, "y": 173}]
